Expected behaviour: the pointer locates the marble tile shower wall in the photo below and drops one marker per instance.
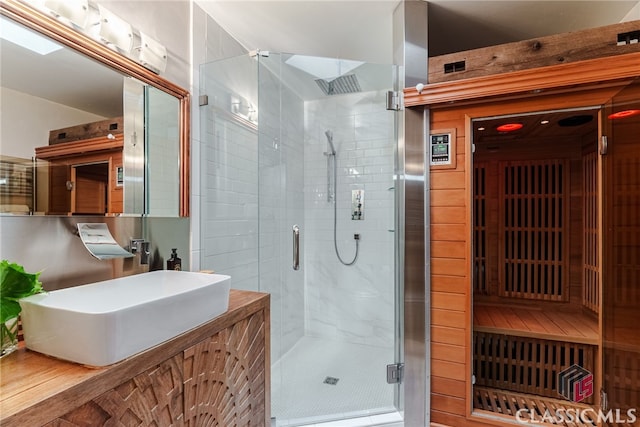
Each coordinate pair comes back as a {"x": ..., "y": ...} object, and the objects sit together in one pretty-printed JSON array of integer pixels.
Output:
[{"x": 352, "y": 303}]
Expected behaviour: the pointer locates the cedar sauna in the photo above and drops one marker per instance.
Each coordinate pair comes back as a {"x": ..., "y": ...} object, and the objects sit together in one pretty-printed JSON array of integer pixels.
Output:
[{"x": 535, "y": 244}]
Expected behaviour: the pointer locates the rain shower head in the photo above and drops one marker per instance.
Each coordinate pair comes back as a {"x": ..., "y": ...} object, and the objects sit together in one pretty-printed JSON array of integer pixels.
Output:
[{"x": 340, "y": 85}]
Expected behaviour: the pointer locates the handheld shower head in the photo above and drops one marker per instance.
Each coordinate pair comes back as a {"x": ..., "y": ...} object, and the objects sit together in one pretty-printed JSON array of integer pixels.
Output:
[{"x": 329, "y": 135}]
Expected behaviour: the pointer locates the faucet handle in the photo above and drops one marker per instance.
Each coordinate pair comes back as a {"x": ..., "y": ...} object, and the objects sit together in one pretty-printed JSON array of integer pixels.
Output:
[{"x": 135, "y": 245}]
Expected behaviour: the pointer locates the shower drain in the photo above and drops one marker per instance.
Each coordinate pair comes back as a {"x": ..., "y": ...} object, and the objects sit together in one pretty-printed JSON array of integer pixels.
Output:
[{"x": 331, "y": 380}]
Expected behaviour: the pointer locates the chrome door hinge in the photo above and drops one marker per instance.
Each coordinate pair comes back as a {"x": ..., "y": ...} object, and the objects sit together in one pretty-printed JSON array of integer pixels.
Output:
[
  {"x": 203, "y": 100},
  {"x": 394, "y": 100},
  {"x": 604, "y": 145},
  {"x": 395, "y": 372},
  {"x": 258, "y": 52},
  {"x": 604, "y": 402}
]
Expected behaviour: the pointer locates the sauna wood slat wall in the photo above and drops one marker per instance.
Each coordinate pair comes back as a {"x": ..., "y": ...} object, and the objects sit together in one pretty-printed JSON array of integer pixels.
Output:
[
  {"x": 590, "y": 264},
  {"x": 534, "y": 255},
  {"x": 526, "y": 365},
  {"x": 449, "y": 247}
]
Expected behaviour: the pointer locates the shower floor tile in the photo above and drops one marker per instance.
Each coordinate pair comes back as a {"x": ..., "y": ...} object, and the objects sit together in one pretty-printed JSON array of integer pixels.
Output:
[{"x": 300, "y": 395}]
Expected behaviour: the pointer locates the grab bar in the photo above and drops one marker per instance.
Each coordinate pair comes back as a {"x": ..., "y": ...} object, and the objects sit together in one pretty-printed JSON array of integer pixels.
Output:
[{"x": 296, "y": 247}]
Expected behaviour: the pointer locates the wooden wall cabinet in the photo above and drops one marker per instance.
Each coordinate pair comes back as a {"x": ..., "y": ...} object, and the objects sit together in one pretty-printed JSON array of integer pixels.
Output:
[
  {"x": 214, "y": 375},
  {"x": 83, "y": 175}
]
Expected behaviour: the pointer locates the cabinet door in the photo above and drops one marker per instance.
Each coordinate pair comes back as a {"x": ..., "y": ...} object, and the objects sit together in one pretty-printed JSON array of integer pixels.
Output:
[
  {"x": 225, "y": 377},
  {"x": 59, "y": 191},
  {"x": 152, "y": 398}
]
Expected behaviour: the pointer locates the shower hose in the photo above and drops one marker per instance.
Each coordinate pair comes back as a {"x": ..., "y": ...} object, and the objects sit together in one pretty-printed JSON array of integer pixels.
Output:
[{"x": 335, "y": 218}]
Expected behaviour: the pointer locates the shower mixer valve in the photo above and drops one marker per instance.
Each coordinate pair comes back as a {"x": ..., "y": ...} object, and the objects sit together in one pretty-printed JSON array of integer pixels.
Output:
[{"x": 357, "y": 205}]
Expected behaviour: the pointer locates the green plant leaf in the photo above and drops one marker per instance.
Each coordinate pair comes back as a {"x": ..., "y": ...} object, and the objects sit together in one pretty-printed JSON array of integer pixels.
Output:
[
  {"x": 8, "y": 309},
  {"x": 15, "y": 283}
]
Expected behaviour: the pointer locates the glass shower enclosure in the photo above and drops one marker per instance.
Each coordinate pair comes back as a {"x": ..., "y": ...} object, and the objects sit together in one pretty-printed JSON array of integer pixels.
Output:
[{"x": 298, "y": 165}]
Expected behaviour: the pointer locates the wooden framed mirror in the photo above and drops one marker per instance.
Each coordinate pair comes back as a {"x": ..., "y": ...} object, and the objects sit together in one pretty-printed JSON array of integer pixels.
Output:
[{"x": 148, "y": 81}]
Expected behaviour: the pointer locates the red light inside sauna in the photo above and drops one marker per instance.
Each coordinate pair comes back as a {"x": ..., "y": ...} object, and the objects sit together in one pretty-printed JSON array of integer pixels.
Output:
[
  {"x": 623, "y": 114},
  {"x": 509, "y": 127}
]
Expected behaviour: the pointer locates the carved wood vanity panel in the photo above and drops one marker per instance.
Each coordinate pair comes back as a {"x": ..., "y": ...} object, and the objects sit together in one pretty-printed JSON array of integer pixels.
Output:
[
  {"x": 214, "y": 375},
  {"x": 153, "y": 397},
  {"x": 225, "y": 376}
]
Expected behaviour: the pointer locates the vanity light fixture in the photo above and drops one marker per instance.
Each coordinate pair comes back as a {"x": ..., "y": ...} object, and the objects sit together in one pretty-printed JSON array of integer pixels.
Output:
[
  {"x": 74, "y": 11},
  {"x": 105, "y": 27},
  {"x": 115, "y": 31},
  {"x": 152, "y": 54}
]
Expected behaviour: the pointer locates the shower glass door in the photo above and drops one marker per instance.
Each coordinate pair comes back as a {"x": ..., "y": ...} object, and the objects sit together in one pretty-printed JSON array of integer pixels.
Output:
[{"x": 291, "y": 140}]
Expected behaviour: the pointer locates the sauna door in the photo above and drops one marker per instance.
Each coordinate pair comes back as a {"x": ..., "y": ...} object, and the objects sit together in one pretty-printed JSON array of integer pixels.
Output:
[
  {"x": 89, "y": 192},
  {"x": 620, "y": 156}
]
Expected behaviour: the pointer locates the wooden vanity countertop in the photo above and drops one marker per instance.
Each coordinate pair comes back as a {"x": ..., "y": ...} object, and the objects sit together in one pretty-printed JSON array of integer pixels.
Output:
[{"x": 35, "y": 388}]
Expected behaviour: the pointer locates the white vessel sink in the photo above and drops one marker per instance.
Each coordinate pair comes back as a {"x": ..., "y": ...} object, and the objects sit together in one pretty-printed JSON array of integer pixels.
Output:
[{"x": 105, "y": 322}]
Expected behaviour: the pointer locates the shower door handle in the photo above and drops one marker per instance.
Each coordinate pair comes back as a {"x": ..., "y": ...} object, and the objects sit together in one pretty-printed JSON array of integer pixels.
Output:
[{"x": 296, "y": 247}]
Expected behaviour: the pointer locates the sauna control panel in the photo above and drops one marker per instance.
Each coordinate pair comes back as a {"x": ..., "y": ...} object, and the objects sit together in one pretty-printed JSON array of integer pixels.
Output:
[{"x": 442, "y": 149}]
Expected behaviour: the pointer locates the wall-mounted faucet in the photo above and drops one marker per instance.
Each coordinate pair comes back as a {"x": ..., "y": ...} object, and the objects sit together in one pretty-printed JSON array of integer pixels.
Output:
[
  {"x": 145, "y": 255},
  {"x": 140, "y": 246}
]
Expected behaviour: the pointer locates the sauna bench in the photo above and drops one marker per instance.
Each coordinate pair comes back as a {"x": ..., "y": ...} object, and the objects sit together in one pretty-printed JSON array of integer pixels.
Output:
[
  {"x": 218, "y": 370},
  {"x": 543, "y": 323}
]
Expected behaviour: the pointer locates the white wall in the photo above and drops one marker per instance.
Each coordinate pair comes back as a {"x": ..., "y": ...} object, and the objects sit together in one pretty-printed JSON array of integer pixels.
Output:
[
  {"x": 25, "y": 121},
  {"x": 209, "y": 43},
  {"x": 633, "y": 15}
]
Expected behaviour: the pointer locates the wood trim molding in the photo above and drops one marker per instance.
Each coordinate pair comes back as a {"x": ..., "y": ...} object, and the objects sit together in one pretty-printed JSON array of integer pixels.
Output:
[
  {"x": 79, "y": 148},
  {"x": 185, "y": 155},
  {"x": 37, "y": 21},
  {"x": 597, "y": 72}
]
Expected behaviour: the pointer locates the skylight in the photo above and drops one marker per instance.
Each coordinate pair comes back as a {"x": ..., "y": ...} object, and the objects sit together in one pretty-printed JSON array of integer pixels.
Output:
[
  {"x": 26, "y": 38},
  {"x": 324, "y": 68}
]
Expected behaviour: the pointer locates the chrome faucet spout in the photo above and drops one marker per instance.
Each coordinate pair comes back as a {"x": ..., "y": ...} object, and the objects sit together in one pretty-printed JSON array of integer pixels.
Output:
[{"x": 145, "y": 254}]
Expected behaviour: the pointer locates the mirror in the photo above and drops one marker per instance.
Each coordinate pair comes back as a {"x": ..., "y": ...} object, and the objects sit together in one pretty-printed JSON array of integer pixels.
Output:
[{"x": 85, "y": 130}]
